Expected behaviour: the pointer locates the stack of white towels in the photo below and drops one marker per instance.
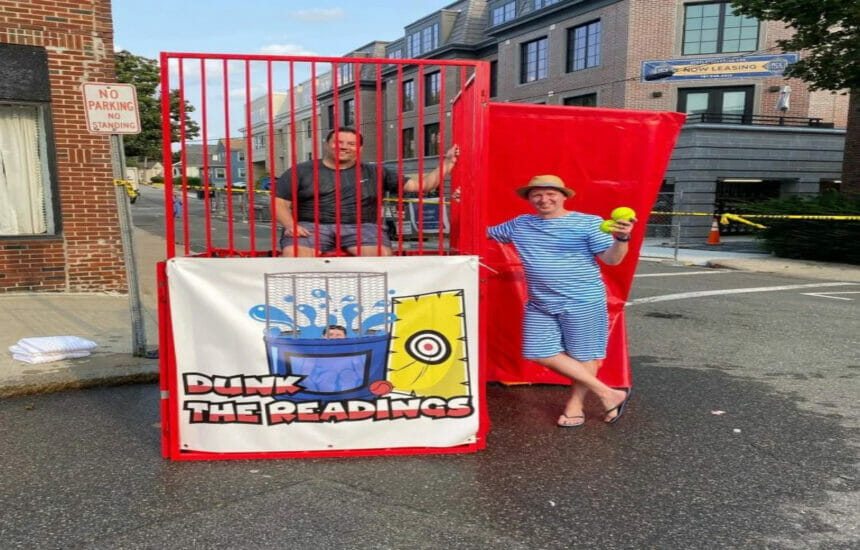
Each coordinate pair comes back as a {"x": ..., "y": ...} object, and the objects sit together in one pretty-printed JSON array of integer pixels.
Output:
[{"x": 44, "y": 349}]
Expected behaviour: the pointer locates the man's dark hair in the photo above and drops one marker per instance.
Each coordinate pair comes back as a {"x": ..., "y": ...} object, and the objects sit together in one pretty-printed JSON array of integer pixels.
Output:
[
  {"x": 348, "y": 130},
  {"x": 334, "y": 327}
]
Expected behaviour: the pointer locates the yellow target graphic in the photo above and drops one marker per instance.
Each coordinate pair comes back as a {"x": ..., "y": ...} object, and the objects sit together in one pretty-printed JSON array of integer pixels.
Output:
[{"x": 428, "y": 348}]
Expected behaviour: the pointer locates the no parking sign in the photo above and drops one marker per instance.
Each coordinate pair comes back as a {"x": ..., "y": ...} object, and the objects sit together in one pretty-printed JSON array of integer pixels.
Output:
[{"x": 111, "y": 108}]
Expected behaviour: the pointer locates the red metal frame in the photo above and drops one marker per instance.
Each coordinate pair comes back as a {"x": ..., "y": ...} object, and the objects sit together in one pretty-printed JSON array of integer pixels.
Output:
[{"x": 469, "y": 130}]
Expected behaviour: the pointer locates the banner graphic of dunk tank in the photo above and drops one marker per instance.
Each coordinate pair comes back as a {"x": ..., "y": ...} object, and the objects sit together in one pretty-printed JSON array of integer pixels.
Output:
[{"x": 256, "y": 373}]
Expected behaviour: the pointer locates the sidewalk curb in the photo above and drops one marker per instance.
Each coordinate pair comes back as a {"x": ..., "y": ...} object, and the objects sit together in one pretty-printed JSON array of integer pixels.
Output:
[
  {"x": 104, "y": 370},
  {"x": 798, "y": 269}
]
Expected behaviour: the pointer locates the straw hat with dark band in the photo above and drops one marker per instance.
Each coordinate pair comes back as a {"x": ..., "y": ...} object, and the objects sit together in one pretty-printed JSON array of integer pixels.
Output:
[{"x": 547, "y": 181}]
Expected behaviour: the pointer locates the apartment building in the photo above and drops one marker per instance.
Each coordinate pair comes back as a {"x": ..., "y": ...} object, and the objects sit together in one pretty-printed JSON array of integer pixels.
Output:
[
  {"x": 293, "y": 115},
  {"x": 751, "y": 134}
]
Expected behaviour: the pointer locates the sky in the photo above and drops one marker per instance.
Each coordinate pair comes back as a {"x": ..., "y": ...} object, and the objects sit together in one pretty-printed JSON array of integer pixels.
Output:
[{"x": 278, "y": 27}]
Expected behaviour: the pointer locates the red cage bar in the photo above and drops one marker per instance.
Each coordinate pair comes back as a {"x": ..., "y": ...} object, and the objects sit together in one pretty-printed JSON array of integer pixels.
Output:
[{"x": 230, "y": 226}]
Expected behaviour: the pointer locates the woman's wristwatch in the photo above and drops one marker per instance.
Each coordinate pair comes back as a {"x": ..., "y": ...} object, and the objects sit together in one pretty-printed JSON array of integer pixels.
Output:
[{"x": 622, "y": 240}]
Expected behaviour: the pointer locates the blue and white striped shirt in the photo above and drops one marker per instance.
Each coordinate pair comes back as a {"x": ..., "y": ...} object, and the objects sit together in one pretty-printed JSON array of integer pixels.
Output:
[{"x": 558, "y": 256}]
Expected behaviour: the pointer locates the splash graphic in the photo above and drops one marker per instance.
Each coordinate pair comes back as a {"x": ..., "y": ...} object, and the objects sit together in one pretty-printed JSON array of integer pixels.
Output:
[{"x": 311, "y": 319}]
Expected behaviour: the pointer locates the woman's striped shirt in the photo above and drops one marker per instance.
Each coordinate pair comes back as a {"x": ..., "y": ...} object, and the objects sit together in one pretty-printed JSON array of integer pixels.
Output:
[{"x": 558, "y": 256}]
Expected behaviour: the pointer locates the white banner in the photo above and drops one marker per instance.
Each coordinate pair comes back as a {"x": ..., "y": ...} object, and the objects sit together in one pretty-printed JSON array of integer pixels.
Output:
[{"x": 260, "y": 366}]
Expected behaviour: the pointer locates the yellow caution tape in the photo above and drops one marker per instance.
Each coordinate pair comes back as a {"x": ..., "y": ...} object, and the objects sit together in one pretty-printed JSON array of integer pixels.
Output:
[
  {"x": 767, "y": 216},
  {"x": 682, "y": 213},
  {"x": 726, "y": 217},
  {"x": 429, "y": 200}
]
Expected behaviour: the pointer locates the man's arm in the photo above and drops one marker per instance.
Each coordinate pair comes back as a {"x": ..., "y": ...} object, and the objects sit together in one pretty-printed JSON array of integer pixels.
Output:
[
  {"x": 615, "y": 253},
  {"x": 284, "y": 215},
  {"x": 431, "y": 180}
]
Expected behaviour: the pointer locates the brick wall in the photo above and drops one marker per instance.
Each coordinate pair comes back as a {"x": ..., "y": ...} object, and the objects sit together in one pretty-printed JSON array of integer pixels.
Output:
[{"x": 86, "y": 255}]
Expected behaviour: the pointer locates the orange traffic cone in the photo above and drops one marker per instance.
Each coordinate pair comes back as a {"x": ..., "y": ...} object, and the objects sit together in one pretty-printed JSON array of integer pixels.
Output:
[{"x": 714, "y": 235}]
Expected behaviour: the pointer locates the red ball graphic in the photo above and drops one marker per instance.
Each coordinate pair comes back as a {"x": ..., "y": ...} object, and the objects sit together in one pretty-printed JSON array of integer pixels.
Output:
[{"x": 380, "y": 387}]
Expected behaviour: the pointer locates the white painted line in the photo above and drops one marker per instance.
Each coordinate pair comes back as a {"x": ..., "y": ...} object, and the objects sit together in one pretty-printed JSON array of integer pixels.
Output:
[
  {"x": 831, "y": 295},
  {"x": 700, "y": 294},
  {"x": 675, "y": 274}
]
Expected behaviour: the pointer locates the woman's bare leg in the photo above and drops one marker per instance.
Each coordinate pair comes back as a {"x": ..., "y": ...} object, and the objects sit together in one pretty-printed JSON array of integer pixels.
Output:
[{"x": 585, "y": 379}]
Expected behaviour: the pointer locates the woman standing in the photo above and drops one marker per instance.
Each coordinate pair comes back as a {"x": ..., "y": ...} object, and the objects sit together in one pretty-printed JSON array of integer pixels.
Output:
[{"x": 565, "y": 326}]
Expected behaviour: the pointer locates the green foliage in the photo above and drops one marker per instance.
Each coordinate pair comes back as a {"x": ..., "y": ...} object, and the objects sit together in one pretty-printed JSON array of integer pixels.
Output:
[
  {"x": 824, "y": 240},
  {"x": 145, "y": 75},
  {"x": 157, "y": 179},
  {"x": 826, "y": 31},
  {"x": 190, "y": 181}
]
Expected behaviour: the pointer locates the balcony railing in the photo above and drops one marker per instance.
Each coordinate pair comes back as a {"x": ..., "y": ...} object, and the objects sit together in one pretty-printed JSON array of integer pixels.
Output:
[{"x": 760, "y": 120}]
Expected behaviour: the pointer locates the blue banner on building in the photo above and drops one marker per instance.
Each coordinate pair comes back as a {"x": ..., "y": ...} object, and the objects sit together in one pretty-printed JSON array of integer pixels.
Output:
[{"x": 706, "y": 68}]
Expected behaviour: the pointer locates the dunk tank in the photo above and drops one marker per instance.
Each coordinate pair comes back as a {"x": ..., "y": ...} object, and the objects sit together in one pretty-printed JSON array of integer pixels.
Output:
[{"x": 248, "y": 367}]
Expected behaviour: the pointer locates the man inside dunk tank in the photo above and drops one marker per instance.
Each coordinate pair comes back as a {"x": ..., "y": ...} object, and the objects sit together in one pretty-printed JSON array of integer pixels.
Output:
[{"x": 568, "y": 194}]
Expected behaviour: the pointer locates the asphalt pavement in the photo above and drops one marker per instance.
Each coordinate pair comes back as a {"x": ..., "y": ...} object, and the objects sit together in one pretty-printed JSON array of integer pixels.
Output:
[{"x": 742, "y": 433}]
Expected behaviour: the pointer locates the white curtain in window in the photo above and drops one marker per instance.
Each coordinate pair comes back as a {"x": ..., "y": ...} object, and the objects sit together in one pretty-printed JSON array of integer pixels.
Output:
[{"x": 22, "y": 199}]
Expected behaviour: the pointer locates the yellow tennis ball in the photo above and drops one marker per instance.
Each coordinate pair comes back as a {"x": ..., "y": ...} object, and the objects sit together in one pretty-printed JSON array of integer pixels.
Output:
[
  {"x": 623, "y": 213},
  {"x": 607, "y": 226}
]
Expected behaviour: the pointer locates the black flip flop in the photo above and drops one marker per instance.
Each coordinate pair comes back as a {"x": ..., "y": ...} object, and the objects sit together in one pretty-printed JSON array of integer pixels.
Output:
[{"x": 619, "y": 407}]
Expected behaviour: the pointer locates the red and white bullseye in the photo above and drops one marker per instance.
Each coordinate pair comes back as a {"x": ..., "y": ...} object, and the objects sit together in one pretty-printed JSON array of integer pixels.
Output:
[{"x": 428, "y": 346}]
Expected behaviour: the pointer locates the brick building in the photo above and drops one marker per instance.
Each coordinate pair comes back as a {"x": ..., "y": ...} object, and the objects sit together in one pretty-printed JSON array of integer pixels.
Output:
[{"x": 59, "y": 228}]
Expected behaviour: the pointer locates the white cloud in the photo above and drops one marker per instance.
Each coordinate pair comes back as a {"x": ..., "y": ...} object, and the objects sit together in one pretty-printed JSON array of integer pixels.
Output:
[
  {"x": 285, "y": 49},
  {"x": 320, "y": 14}
]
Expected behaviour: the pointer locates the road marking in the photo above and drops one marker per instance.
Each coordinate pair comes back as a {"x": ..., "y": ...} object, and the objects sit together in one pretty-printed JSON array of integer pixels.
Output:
[
  {"x": 700, "y": 294},
  {"x": 831, "y": 294},
  {"x": 683, "y": 273}
]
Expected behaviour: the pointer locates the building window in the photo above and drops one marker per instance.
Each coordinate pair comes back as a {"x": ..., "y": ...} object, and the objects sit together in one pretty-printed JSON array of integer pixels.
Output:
[
  {"x": 408, "y": 143},
  {"x": 395, "y": 54},
  {"x": 408, "y": 95},
  {"x": 423, "y": 41},
  {"x": 330, "y": 112},
  {"x": 503, "y": 13},
  {"x": 494, "y": 78},
  {"x": 349, "y": 112},
  {"x": 584, "y": 100},
  {"x": 714, "y": 28},
  {"x": 345, "y": 73},
  {"x": 730, "y": 105},
  {"x": 241, "y": 172},
  {"x": 431, "y": 139},
  {"x": 413, "y": 45},
  {"x": 309, "y": 128},
  {"x": 432, "y": 89},
  {"x": 538, "y": 4},
  {"x": 241, "y": 156},
  {"x": 533, "y": 60},
  {"x": 583, "y": 46},
  {"x": 259, "y": 143},
  {"x": 220, "y": 173},
  {"x": 25, "y": 172}
]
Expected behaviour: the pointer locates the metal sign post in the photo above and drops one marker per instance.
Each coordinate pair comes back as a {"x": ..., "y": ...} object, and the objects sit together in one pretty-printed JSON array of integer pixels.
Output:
[{"x": 112, "y": 109}]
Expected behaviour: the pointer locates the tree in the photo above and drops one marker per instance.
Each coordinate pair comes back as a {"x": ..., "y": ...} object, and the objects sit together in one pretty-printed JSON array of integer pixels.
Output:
[
  {"x": 145, "y": 75},
  {"x": 828, "y": 34}
]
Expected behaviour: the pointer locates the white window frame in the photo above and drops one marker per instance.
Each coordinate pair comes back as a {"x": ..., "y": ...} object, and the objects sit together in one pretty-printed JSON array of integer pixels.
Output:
[{"x": 15, "y": 213}]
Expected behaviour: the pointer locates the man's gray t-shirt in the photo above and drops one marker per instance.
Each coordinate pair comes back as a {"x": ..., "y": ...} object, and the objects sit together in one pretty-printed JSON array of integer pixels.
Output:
[{"x": 327, "y": 196}]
